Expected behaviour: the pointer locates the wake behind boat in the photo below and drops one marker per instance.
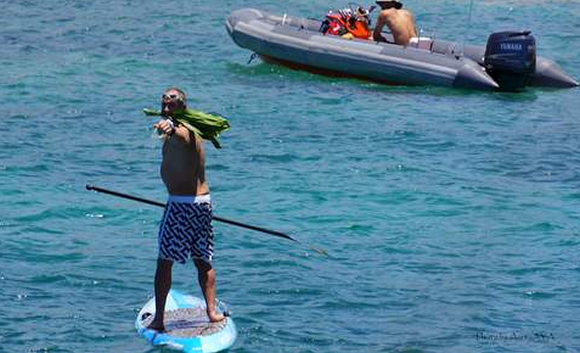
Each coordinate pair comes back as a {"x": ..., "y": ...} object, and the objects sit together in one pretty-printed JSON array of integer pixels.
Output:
[{"x": 508, "y": 62}]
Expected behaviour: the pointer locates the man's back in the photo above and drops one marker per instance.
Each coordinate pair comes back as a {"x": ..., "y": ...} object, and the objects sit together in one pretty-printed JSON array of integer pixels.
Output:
[{"x": 401, "y": 24}]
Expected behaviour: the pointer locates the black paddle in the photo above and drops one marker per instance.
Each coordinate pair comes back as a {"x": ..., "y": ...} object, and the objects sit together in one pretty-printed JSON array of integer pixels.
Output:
[{"x": 219, "y": 219}]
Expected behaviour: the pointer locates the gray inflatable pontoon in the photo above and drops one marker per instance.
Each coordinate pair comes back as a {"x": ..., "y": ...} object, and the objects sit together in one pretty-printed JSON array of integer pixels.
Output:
[{"x": 297, "y": 42}]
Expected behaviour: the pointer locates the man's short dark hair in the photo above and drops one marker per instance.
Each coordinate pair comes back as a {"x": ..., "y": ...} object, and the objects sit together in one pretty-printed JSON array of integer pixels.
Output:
[{"x": 389, "y": 4}]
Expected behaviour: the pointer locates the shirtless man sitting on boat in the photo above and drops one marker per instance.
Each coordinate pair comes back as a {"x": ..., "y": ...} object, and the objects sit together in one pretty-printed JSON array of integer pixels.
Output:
[{"x": 400, "y": 22}]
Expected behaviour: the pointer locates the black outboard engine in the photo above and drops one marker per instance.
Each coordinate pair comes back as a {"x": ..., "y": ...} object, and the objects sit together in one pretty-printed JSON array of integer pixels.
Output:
[{"x": 510, "y": 59}]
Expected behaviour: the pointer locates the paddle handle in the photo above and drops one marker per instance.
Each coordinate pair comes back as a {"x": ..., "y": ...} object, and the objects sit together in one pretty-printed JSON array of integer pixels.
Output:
[{"x": 219, "y": 219}]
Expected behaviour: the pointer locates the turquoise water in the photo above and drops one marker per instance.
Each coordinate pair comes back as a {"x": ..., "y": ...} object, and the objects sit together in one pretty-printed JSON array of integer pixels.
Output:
[{"x": 452, "y": 217}]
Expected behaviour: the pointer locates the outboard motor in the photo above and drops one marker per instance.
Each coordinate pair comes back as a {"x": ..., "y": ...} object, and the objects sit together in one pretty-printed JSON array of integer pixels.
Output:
[{"x": 510, "y": 59}]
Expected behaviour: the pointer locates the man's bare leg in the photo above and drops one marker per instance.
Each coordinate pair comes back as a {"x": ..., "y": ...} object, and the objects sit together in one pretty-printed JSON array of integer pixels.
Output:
[
  {"x": 162, "y": 287},
  {"x": 206, "y": 279}
]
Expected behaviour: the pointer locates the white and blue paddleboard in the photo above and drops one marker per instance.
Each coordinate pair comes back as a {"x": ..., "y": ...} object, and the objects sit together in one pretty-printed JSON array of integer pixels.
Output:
[{"x": 187, "y": 326}]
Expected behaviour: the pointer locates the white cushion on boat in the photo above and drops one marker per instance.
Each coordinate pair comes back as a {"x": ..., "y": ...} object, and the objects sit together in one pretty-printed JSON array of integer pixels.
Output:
[{"x": 421, "y": 42}]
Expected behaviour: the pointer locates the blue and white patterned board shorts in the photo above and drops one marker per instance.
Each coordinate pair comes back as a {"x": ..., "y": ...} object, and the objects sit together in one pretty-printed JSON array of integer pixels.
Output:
[{"x": 186, "y": 229}]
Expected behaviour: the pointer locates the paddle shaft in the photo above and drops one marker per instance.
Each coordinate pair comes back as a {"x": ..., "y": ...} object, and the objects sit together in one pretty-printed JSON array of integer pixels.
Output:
[{"x": 219, "y": 219}]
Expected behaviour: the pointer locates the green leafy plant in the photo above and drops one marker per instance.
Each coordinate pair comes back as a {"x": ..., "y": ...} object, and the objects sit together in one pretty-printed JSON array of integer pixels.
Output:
[{"x": 205, "y": 125}]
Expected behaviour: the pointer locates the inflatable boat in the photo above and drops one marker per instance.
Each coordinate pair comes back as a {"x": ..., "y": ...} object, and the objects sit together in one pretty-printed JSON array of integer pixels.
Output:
[{"x": 507, "y": 62}]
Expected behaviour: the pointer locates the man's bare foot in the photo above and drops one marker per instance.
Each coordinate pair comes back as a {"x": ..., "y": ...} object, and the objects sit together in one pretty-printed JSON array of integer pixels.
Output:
[
  {"x": 156, "y": 326},
  {"x": 215, "y": 317}
]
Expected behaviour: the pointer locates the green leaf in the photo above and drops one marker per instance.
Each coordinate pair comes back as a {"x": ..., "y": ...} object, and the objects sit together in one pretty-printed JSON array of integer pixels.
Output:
[
  {"x": 205, "y": 125},
  {"x": 151, "y": 112}
]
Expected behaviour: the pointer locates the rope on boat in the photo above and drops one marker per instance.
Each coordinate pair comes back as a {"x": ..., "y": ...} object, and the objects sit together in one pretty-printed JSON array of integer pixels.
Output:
[{"x": 468, "y": 27}]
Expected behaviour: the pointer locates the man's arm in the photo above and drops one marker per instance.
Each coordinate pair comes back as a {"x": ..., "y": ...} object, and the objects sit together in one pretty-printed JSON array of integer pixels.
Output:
[
  {"x": 180, "y": 132},
  {"x": 381, "y": 22},
  {"x": 183, "y": 134}
]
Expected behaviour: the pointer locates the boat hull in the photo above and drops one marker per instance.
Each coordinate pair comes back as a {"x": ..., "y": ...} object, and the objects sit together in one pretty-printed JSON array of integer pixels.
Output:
[{"x": 296, "y": 42}]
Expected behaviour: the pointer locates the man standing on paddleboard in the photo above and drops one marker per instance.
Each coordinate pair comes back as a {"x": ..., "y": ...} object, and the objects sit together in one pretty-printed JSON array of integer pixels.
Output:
[{"x": 186, "y": 229}]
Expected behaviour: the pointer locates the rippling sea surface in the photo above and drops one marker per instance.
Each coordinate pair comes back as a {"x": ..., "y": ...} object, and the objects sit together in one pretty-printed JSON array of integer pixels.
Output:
[{"x": 451, "y": 217}]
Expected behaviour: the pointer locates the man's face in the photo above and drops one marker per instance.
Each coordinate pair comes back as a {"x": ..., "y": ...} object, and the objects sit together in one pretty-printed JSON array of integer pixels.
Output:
[{"x": 171, "y": 101}]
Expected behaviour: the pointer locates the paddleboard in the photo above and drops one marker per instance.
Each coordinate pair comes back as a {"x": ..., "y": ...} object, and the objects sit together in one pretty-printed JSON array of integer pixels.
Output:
[{"x": 187, "y": 326}]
